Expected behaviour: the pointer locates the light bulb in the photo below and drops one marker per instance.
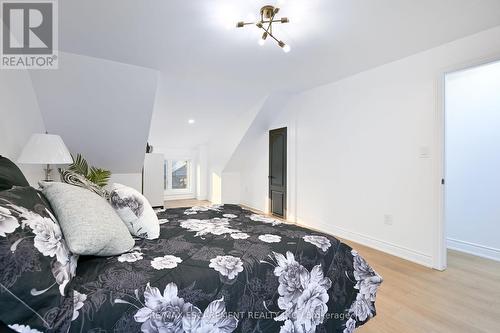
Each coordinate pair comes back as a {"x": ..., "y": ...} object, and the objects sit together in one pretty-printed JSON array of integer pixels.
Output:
[
  {"x": 191, "y": 121},
  {"x": 261, "y": 42},
  {"x": 286, "y": 48}
]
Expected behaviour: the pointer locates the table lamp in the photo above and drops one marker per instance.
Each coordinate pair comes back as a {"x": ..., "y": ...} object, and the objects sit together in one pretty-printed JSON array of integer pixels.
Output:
[{"x": 45, "y": 149}]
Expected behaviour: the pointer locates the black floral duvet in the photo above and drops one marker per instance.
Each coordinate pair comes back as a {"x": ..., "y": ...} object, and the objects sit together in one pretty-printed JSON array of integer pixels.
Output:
[{"x": 213, "y": 269}]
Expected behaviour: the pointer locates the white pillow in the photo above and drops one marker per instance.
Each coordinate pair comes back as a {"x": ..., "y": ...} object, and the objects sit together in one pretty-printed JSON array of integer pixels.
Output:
[{"x": 135, "y": 211}]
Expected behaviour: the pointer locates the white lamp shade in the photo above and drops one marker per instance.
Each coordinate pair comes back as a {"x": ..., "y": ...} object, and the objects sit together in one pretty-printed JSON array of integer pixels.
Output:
[{"x": 45, "y": 149}]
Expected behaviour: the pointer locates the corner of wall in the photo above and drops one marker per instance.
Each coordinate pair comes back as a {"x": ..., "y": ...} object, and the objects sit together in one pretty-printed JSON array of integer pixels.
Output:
[{"x": 21, "y": 117}]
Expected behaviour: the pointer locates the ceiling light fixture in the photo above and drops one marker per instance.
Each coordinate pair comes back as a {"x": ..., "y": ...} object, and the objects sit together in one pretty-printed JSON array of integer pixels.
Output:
[
  {"x": 191, "y": 121},
  {"x": 267, "y": 18}
]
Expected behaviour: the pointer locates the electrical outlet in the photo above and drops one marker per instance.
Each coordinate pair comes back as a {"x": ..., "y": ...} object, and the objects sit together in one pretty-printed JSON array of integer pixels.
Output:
[{"x": 388, "y": 219}]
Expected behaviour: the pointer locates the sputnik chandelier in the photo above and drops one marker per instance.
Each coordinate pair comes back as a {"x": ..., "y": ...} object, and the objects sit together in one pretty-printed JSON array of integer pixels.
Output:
[{"x": 267, "y": 18}]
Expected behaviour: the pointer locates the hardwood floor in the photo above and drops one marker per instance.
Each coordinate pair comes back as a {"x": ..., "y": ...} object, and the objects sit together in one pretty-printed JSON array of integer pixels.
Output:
[
  {"x": 414, "y": 299},
  {"x": 185, "y": 203}
]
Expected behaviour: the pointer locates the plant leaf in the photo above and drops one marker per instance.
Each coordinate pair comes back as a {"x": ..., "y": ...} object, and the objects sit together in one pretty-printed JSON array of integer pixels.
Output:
[
  {"x": 79, "y": 165},
  {"x": 99, "y": 176}
]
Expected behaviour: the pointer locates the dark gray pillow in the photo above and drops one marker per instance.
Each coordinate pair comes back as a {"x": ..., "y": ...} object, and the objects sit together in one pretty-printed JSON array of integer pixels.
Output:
[
  {"x": 89, "y": 224},
  {"x": 10, "y": 175}
]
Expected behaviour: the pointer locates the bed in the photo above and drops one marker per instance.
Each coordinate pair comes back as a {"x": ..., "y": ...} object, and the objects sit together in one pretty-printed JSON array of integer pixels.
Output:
[{"x": 213, "y": 269}]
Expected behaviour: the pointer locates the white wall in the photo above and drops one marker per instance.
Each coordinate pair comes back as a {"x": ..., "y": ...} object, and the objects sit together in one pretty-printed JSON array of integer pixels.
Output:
[
  {"x": 19, "y": 118},
  {"x": 133, "y": 180},
  {"x": 231, "y": 188},
  {"x": 202, "y": 173},
  {"x": 222, "y": 146},
  {"x": 473, "y": 160},
  {"x": 248, "y": 167},
  {"x": 366, "y": 153}
]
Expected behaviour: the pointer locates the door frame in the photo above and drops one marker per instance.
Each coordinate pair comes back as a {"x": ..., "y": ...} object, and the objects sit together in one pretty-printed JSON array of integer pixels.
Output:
[
  {"x": 440, "y": 257},
  {"x": 285, "y": 170}
]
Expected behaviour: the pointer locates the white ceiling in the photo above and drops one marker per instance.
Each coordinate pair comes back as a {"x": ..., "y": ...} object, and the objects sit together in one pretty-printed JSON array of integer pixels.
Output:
[
  {"x": 101, "y": 109},
  {"x": 212, "y": 74}
]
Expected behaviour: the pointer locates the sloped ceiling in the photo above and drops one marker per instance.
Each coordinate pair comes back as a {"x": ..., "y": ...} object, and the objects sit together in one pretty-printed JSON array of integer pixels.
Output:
[
  {"x": 216, "y": 107},
  {"x": 104, "y": 95},
  {"x": 211, "y": 73},
  {"x": 245, "y": 151},
  {"x": 101, "y": 109}
]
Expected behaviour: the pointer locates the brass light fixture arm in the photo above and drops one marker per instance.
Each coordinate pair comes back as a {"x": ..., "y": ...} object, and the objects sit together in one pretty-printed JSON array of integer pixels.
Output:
[
  {"x": 270, "y": 26},
  {"x": 267, "y": 18},
  {"x": 270, "y": 34}
]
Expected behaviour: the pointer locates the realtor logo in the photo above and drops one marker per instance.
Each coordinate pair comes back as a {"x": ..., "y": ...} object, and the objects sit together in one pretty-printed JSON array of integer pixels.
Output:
[{"x": 29, "y": 34}]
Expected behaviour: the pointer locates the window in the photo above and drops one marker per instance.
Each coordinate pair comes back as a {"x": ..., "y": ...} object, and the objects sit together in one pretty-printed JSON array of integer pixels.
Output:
[{"x": 177, "y": 175}]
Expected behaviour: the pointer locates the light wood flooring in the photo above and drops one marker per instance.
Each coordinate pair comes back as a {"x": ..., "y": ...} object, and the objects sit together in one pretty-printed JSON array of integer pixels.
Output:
[
  {"x": 465, "y": 298},
  {"x": 414, "y": 299},
  {"x": 185, "y": 203}
]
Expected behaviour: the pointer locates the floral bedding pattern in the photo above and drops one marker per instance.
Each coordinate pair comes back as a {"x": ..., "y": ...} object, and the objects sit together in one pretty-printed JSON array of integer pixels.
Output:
[
  {"x": 222, "y": 269},
  {"x": 35, "y": 264}
]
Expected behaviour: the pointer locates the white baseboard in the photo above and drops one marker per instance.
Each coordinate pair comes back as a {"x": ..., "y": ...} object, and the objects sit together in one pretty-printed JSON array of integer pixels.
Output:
[
  {"x": 472, "y": 248},
  {"x": 179, "y": 197},
  {"x": 396, "y": 250},
  {"x": 260, "y": 211}
]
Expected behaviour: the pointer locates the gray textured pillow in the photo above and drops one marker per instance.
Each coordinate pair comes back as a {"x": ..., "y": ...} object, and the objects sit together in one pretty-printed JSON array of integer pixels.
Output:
[{"x": 89, "y": 224}]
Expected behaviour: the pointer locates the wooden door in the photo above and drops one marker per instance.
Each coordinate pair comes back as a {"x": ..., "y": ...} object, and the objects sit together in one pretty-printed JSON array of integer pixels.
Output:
[{"x": 277, "y": 172}]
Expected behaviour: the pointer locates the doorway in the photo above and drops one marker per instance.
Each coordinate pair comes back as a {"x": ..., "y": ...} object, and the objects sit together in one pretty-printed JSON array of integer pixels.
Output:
[
  {"x": 472, "y": 161},
  {"x": 277, "y": 171}
]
